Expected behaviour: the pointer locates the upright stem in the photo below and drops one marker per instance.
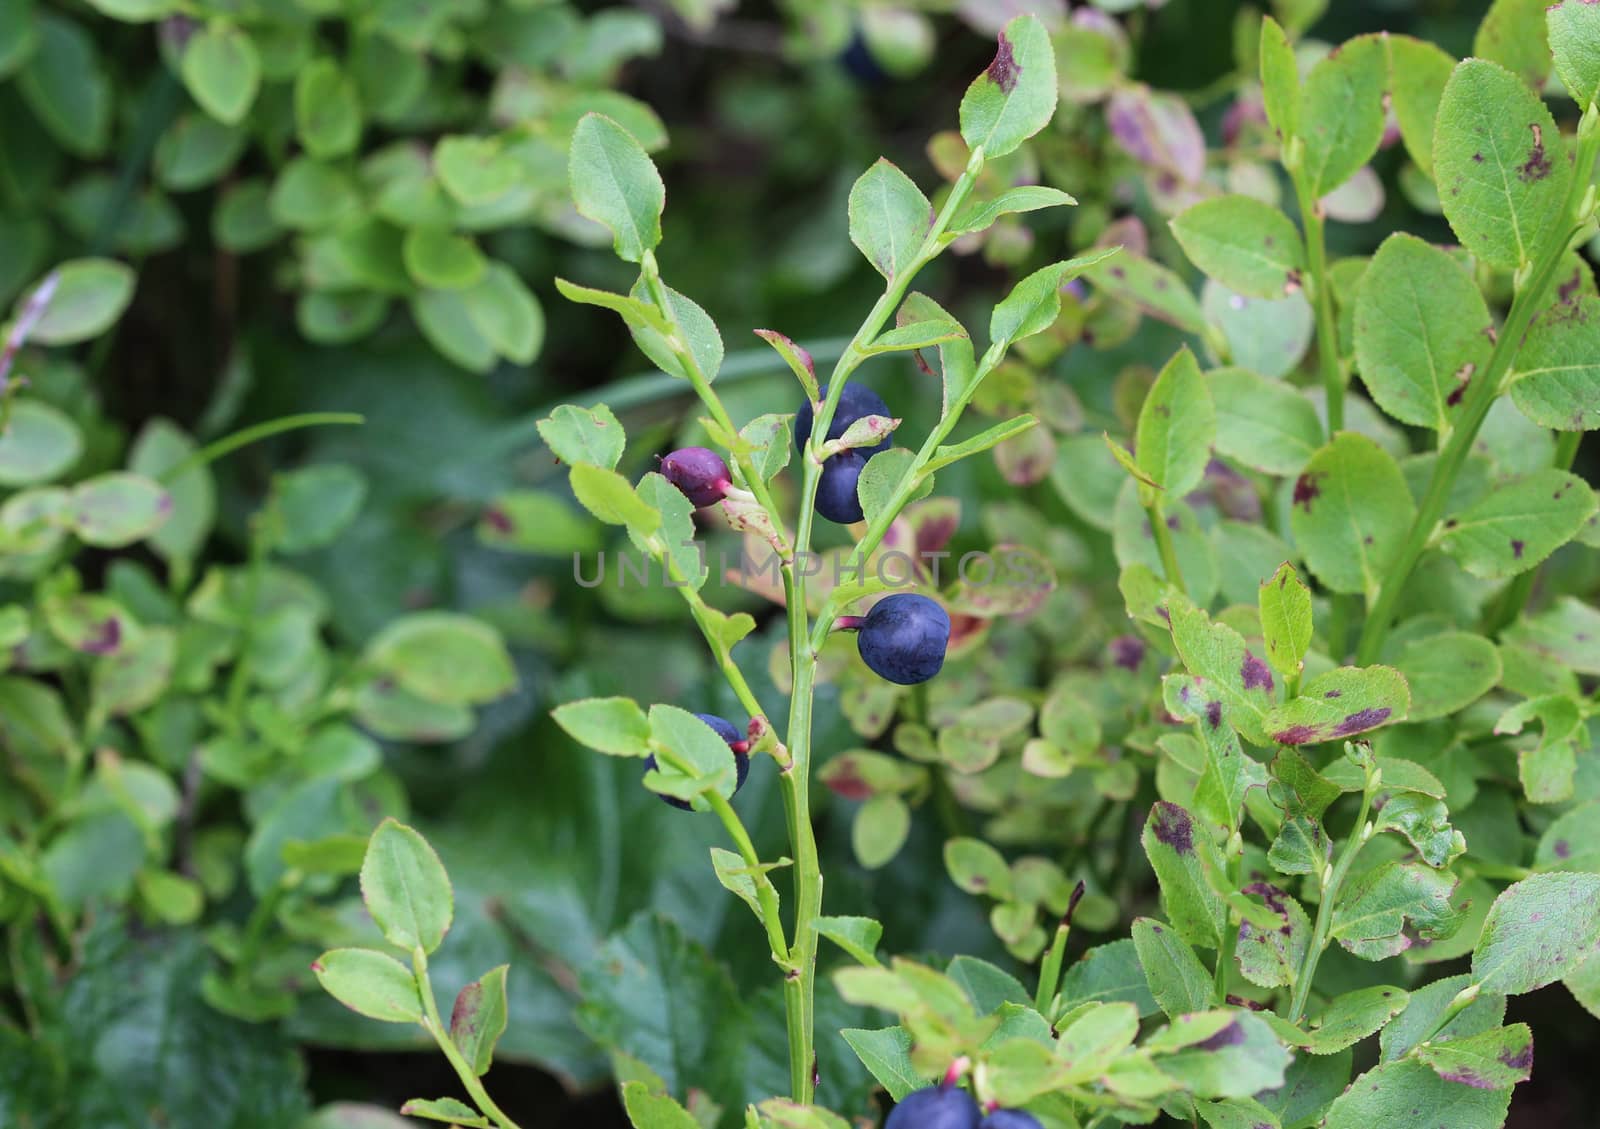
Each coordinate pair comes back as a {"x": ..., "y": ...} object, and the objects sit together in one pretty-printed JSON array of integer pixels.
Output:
[
  {"x": 1164, "y": 546},
  {"x": 1517, "y": 593},
  {"x": 1483, "y": 390},
  {"x": 1320, "y": 290},
  {"x": 436, "y": 1027},
  {"x": 800, "y": 988},
  {"x": 1330, "y": 895}
]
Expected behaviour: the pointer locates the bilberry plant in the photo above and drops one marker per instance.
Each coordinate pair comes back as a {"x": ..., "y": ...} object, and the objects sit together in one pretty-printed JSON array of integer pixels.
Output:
[{"x": 1321, "y": 711}]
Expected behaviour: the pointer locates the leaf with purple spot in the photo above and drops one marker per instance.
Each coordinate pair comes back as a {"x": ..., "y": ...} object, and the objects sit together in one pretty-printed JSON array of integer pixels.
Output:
[
  {"x": 1015, "y": 97},
  {"x": 1537, "y": 931},
  {"x": 1373, "y": 912},
  {"x": 1519, "y": 524},
  {"x": 1217, "y": 653},
  {"x": 1490, "y": 1060},
  {"x": 1340, "y": 704},
  {"x": 1353, "y": 1016},
  {"x": 1181, "y": 852},
  {"x": 1229, "y": 772},
  {"x": 1394, "y": 1093},
  {"x": 117, "y": 509}
]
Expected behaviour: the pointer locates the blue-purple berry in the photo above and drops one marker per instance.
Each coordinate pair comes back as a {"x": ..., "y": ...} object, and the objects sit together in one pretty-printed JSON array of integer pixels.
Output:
[
  {"x": 699, "y": 472},
  {"x": 1010, "y": 1119},
  {"x": 856, "y": 401},
  {"x": 903, "y": 638},
  {"x": 725, "y": 729},
  {"x": 837, "y": 499},
  {"x": 937, "y": 1107}
]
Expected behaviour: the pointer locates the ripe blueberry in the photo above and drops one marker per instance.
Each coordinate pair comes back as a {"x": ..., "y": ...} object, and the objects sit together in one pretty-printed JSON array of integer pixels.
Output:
[
  {"x": 741, "y": 759},
  {"x": 836, "y": 491},
  {"x": 1010, "y": 1119},
  {"x": 937, "y": 1107},
  {"x": 699, "y": 472},
  {"x": 903, "y": 638},
  {"x": 855, "y": 401}
]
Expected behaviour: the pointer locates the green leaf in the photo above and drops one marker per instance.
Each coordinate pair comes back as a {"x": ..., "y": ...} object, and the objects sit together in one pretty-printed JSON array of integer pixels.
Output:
[
  {"x": 1261, "y": 423},
  {"x": 889, "y": 218},
  {"x": 1387, "y": 1094},
  {"x": 1238, "y": 1056},
  {"x": 1340, "y": 704},
  {"x": 1574, "y": 30},
  {"x": 692, "y": 324},
  {"x": 1034, "y": 303},
  {"x": 1217, "y": 653},
  {"x": 882, "y": 477},
  {"x": 693, "y": 743},
  {"x": 1178, "y": 981},
  {"x": 981, "y": 215},
  {"x": 444, "y": 657},
  {"x": 39, "y": 444},
  {"x": 978, "y": 868},
  {"x": 1280, "y": 80},
  {"x": 615, "y": 183},
  {"x": 442, "y": 260},
  {"x": 1248, "y": 246},
  {"x": 1342, "y": 112},
  {"x": 615, "y": 726},
  {"x": 1176, "y": 426},
  {"x": 1351, "y": 513},
  {"x": 584, "y": 435},
  {"x": 1500, "y": 163},
  {"x": 1353, "y": 1016},
  {"x": 1286, "y": 626},
  {"x": 89, "y": 296},
  {"x": 1271, "y": 951},
  {"x": 327, "y": 110},
  {"x": 879, "y": 830},
  {"x": 1447, "y": 672},
  {"x": 1567, "y": 634},
  {"x": 316, "y": 504},
  {"x": 405, "y": 888},
  {"x": 117, "y": 509},
  {"x": 1513, "y": 34},
  {"x": 1556, "y": 378},
  {"x": 1421, "y": 331},
  {"x": 443, "y": 1109},
  {"x": 987, "y": 438},
  {"x": 798, "y": 359},
  {"x": 1108, "y": 973},
  {"x": 887, "y": 1054},
  {"x": 222, "y": 70},
  {"x": 914, "y": 335},
  {"x": 68, "y": 88},
  {"x": 1016, "y": 96},
  {"x": 1153, "y": 288},
  {"x": 1418, "y": 72},
  {"x": 647, "y": 1110},
  {"x": 651, "y": 992},
  {"x": 1180, "y": 853},
  {"x": 377, "y": 986},
  {"x": 479, "y": 1018},
  {"x": 1490, "y": 1060},
  {"x": 1538, "y": 930},
  {"x": 1371, "y": 916},
  {"x": 1427, "y": 1006},
  {"x": 474, "y": 170},
  {"x": 1519, "y": 524},
  {"x": 858, "y": 936}
]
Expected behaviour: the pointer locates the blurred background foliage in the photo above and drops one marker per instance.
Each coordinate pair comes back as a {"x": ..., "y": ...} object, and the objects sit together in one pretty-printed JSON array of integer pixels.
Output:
[{"x": 360, "y": 205}]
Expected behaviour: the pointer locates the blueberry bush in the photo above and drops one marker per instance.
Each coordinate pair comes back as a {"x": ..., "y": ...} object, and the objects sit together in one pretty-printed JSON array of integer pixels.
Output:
[{"x": 1090, "y": 621}]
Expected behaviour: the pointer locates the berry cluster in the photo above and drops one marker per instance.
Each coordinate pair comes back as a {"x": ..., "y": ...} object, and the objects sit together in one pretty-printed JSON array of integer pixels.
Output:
[
  {"x": 837, "y": 499},
  {"x": 950, "y": 1107}
]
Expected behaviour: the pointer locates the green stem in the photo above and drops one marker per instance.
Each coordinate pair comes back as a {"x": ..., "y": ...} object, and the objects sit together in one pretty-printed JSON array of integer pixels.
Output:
[
  {"x": 1320, "y": 291},
  {"x": 1230, "y": 933},
  {"x": 1516, "y": 595},
  {"x": 1359, "y": 834},
  {"x": 766, "y": 897},
  {"x": 1050, "y": 971},
  {"x": 1484, "y": 388},
  {"x": 1164, "y": 546},
  {"x": 435, "y": 1026},
  {"x": 228, "y": 444},
  {"x": 803, "y": 647},
  {"x": 255, "y": 929}
]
